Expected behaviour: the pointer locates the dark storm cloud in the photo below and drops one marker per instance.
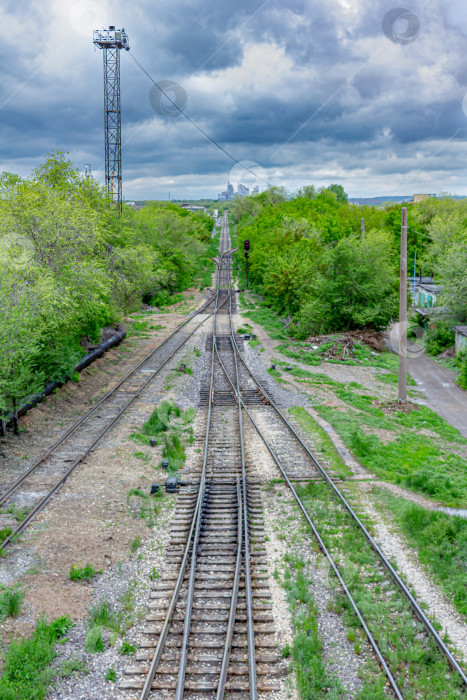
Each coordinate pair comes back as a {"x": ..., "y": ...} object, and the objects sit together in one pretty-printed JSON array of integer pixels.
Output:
[{"x": 307, "y": 89}]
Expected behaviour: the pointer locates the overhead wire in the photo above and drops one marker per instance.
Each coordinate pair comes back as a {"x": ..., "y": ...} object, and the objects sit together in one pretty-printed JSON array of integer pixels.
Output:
[
  {"x": 188, "y": 118},
  {"x": 438, "y": 240}
]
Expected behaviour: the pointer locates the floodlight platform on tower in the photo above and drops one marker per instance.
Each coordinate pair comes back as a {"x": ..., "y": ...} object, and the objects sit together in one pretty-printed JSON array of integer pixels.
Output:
[
  {"x": 111, "y": 38},
  {"x": 111, "y": 41}
]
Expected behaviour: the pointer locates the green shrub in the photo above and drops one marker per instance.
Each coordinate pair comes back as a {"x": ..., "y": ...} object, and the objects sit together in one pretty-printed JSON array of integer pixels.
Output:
[
  {"x": 85, "y": 573},
  {"x": 93, "y": 642},
  {"x": 4, "y": 533},
  {"x": 136, "y": 544},
  {"x": 102, "y": 614},
  {"x": 462, "y": 379},
  {"x": 10, "y": 602},
  {"x": 126, "y": 649},
  {"x": 439, "y": 338},
  {"x": 111, "y": 675}
]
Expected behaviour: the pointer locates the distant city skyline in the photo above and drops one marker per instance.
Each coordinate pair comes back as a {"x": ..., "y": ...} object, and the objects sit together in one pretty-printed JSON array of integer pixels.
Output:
[
  {"x": 242, "y": 191},
  {"x": 313, "y": 93}
]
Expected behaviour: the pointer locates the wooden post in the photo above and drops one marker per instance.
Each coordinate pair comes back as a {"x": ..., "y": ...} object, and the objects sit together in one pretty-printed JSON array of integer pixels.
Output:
[
  {"x": 402, "y": 393},
  {"x": 362, "y": 229}
]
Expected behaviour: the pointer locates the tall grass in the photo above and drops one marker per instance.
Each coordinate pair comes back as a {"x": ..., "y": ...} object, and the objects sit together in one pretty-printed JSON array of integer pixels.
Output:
[{"x": 26, "y": 672}]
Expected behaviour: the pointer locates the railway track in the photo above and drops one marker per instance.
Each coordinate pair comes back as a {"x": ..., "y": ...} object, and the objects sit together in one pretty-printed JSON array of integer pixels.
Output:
[
  {"x": 210, "y": 628},
  {"x": 202, "y": 588},
  {"x": 34, "y": 489}
]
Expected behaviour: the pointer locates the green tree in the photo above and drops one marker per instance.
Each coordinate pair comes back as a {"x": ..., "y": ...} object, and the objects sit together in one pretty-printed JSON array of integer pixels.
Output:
[
  {"x": 355, "y": 287},
  {"x": 341, "y": 194}
]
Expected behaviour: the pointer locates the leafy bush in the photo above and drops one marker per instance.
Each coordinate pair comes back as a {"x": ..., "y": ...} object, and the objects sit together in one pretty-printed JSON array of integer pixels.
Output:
[{"x": 439, "y": 338}]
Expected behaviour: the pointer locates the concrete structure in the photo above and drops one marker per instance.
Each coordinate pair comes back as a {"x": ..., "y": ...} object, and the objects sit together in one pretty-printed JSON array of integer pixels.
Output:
[
  {"x": 229, "y": 193},
  {"x": 461, "y": 338},
  {"x": 421, "y": 197},
  {"x": 242, "y": 190},
  {"x": 192, "y": 207},
  {"x": 426, "y": 294}
]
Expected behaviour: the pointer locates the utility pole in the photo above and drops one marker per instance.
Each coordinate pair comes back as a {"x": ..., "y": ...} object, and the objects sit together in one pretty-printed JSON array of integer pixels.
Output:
[
  {"x": 402, "y": 390},
  {"x": 111, "y": 40},
  {"x": 362, "y": 229}
]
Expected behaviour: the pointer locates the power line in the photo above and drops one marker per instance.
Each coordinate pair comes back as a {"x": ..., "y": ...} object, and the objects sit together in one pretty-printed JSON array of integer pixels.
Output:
[
  {"x": 432, "y": 238},
  {"x": 217, "y": 145}
]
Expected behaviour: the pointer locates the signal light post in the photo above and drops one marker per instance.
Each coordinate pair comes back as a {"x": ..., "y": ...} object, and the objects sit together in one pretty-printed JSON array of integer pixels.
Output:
[{"x": 246, "y": 248}]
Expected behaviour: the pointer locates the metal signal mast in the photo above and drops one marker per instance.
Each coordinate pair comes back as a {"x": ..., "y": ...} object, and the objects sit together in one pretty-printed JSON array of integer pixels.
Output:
[{"x": 111, "y": 40}]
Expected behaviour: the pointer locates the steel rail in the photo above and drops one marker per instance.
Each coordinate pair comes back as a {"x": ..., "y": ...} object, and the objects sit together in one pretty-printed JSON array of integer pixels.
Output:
[
  {"x": 396, "y": 578},
  {"x": 41, "y": 505},
  {"x": 324, "y": 549},
  {"x": 175, "y": 595},
  {"x": 110, "y": 393},
  {"x": 248, "y": 590},
  {"x": 233, "y": 603},
  {"x": 198, "y": 514}
]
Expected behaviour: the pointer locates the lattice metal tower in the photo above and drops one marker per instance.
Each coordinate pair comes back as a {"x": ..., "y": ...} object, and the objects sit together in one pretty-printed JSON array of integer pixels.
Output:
[{"x": 111, "y": 40}]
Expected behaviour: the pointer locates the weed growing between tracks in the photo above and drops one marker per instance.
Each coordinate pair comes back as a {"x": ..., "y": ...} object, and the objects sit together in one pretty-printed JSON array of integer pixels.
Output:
[
  {"x": 313, "y": 679},
  {"x": 440, "y": 540},
  {"x": 26, "y": 672},
  {"x": 418, "y": 667},
  {"x": 170, "y": 427}
]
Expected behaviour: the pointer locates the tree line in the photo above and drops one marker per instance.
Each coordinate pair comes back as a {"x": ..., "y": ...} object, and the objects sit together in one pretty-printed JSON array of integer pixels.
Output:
[
  {"x": 69, "y": 266},
  {"x": 310, "y": 262}
]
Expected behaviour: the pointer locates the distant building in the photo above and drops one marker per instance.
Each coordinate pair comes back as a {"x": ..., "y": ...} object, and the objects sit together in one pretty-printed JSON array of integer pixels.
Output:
[
  {"x": 426, "y": 293},
  {"x": 192, "y": 207},
  {"x": 242, "y": 190},
  {"x": 229, "y": 193},
  {"x": 255, "y": 190},
  {"x": 461, "y": 338},
  {"x": 421, "y": 197}
]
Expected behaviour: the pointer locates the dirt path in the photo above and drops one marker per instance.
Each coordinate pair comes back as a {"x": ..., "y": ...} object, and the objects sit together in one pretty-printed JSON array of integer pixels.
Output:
[{"x": 442, "y": 394}]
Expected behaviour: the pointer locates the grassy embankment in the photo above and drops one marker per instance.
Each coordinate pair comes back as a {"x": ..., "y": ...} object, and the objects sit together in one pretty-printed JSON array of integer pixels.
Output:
[{"x": 419, "y": 450}]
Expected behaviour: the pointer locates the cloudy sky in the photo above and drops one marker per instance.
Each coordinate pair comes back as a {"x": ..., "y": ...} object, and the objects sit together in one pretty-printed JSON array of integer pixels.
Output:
[{"x": 349, "y": 91}]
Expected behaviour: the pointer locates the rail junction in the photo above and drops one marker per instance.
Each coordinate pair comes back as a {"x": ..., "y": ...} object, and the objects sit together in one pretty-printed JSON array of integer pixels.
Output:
[{"x": 209, "y": 628}]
